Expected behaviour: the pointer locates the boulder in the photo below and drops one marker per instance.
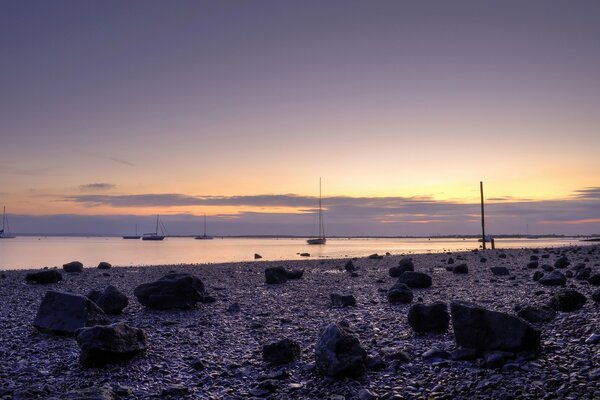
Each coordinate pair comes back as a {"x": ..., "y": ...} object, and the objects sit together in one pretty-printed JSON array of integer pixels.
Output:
[
  {"x": 342, "y": 300},
  {"x": 294, "y": 273},
  {"x": 281, "y": 352},
  {"x": 111, "y": 301},
  {"x": 338, "y": 352},
  {"x": 537, "y": 275},
  {"x": 101, "y": 345},
  {"x": 533, "y": 265},
  {"x": 399, "y": 293},
  {"x": 349, "y": 266},
  {"x": 63, "y": 313},
  {"x": 500, "y": 271},
  {"x": 73, "y": 266},
  {"x": 104, "y": 265},
  {"x": 554, "y": 278},
  {"x": 567, "y": 300},
  {"x": 415, "y": 279},
  {"x": 275, "y": 275},
  {"x": 461, "y": 269},
  {"x": 594, "y": 280},
  {"x": 562, "y": 262},
  {"x": 584, "y": 274},
  {"x": 481, "y": 329},
  {"x": 44, "y": 276},
  {"x": 429, "y": 318},
  {"x": 536, "y": 315},
  {"x": 406, "y": 264},
  {"x": 174, "y": 290}
]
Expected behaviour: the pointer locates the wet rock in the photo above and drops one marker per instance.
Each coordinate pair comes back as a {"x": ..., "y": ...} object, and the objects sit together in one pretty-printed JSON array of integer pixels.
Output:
[
  {"x": 172, "y": 291},
  {"x": 537, "y": 275},
  {"x": 64, "y": 313},
  {"x": 429, "y": 318},
  {"x": 567, "y": 300},
  {"x": 44, "y": 277},
  {"x": 342, "y": 300},
  {"x": 73, "y": 266},
  {"x": 275, "y": 275},
  {"x": 554, "y": 278},
  {"x": 533, "y": 265},
  {"x": 294, "y": 273},
  {"x": 594, "y": 280},
  {"x": 415, "y": 279},
  {"x": 399, "y": 293},
  {"x": 496, "y": 359},
  {"x": 338, "y": 352},
  {"x": 104, "y": 265},
  {"x": 434, "y": 353},
  {"x": 281, "y": 352},
  {"x": 536, "y": 315},
  {"x": 464, "y": 354},
  {"x": 405, "y": 264},
  {"x": 101, "y": 345},
  {"x": 476, "y": 327},
  {"x": 594, "y": 338},
  {"x": 562, "y": 262},
  {"x": 111, "y": 300},
  {"x": 500, "y": 271},
  {"x": 461, "y": 269}
]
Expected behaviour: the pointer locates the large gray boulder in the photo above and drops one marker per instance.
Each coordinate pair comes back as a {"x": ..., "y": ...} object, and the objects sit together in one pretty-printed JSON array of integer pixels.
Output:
[
  {"x": 338, "y": 352},
  {"x": 44, "y": 276},
  {"x": 415, "y": 279},
  {"x": 109, "y": 344},
  {"x": 64, "y": 313},
  {"x": 172, "y": 291},
  {"x": 429, "y": 318},
  {"x": 111, "y": 300},
  {"x": 478, "y": 328}
]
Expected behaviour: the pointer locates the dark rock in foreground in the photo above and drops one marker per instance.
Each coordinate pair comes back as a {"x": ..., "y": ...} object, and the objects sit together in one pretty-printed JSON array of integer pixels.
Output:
[
  {"x": 64, "y": 313},
  {"x": 594, "y": 280},
  {"x": 281, "y": 352},
  {"x": 109, "y": 344},
  {"x": 111, "y": 301},
  {"x": 567, "y": 300},
  {"x": 478, "y": 328},
  {"x": 349, "y": 266},
  {"x": 104, "y": 265},
  {"x": 399, "y": 293},
  {"x": 500, "y": 271},
  {"x": 562, "y": 262},
  {"x": 554, "y": 278},
  {"x": 45, "y": 276},
  {"x": 73, "y": 266},
  {"x": 415, "y": 279},
  {"x": 404, "y": 265},
  {"x": 342, "y": 300},
  {"x": 276, "y": 275},
  {"x": 294, "y": 273},
  {"x": 338, "y": 352},
  {"x": 536, "y": 315},
  {"x": 429, "y": 318},
  {"x": 171, "y": 291},
  {"x": 461, "y": 269}
]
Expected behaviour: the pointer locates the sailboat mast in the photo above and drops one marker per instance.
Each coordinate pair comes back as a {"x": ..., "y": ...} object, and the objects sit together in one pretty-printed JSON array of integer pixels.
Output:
[
  {"x": 321, "y": 230},
  {"x": 156, "y": 224}
]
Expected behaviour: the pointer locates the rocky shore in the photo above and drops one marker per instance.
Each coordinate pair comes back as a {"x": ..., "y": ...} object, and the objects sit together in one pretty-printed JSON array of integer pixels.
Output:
[{"x": 246, "y": 338}]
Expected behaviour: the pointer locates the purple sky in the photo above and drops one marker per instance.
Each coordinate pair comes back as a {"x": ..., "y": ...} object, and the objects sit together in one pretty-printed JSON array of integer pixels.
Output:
[{"x": 152, "y": 105}]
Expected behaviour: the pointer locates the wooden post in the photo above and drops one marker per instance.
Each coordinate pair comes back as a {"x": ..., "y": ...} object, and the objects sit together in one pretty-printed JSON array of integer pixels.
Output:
[{"x": 482, "y": 216}]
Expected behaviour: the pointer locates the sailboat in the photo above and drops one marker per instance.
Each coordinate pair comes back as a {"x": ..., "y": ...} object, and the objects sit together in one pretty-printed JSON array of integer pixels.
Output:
[
  {"x": 154, "y": 235},
  {"x": 136, "y": 236},
  {"x": 204, "y": 237},
  {"x": 5, "y": 232},
  {"x": 321, "y": 239}
]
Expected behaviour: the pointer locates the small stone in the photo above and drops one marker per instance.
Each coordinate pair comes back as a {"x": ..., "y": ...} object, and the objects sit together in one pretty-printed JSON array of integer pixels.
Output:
[{"x": 342, "y": 300}]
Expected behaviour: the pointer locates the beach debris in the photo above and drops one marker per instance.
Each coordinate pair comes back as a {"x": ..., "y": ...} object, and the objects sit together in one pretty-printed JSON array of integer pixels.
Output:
[
  {"x": 104, "y": 265},
  {"x": 44, "y": 276},
  {"x": 478, "y": 328},
  {"x": 104, "y": 344},
  {"x": 429, "y": 318},
  {"x": 415, "y": 279},
  {"x": 342, "y": 300},
  {"x": 399, "y": 293},
  {"x": 275, "y": 275},
  {"x": 111, "y": 300},
  {"x": 73, "y": 266},
  {"x": 554, "y": 278},
  {"x": 338, "y": 352},
  {"x": 174, "y": 290},
  {"x": 63, "y": 313},
  {"x": 281, "y": 352},
  {"x": 567, "y": 300}
]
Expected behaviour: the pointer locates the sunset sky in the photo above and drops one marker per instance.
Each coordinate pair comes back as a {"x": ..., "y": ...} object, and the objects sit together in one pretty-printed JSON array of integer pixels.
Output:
[{"x": 112, "y": 111}]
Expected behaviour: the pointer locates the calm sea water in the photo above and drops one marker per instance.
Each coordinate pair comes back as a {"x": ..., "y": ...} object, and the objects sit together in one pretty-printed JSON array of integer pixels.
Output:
[{"x": 35, "y": 252}]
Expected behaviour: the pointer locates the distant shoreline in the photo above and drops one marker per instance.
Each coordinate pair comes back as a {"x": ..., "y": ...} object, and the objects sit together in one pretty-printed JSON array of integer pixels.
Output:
[{"x": 588, "y": 238}]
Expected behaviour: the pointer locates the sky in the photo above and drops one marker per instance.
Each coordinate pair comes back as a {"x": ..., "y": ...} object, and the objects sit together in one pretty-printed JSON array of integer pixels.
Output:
[{"x": 114, "y": 111}]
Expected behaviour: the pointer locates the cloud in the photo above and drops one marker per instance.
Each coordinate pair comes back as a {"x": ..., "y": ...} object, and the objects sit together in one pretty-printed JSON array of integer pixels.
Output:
[
  {"x": 116, "y": 159},
  {"x": 94, "y": 187},
  {"x": 588, "y": 193},
  {"x": 24, "y": 171}
]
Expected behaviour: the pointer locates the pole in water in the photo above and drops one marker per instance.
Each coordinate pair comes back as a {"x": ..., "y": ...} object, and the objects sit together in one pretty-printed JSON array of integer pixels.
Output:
[{"x": 482, "y": 216}]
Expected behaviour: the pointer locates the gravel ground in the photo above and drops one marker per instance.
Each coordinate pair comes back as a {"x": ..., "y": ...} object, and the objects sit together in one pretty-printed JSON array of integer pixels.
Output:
[{"x": 225, "y": 346}]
